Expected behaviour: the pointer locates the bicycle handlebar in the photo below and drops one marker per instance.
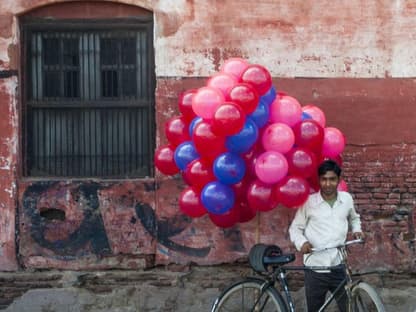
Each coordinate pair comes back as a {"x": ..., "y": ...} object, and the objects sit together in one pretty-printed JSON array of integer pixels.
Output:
[{"x": 347, "y": 243}]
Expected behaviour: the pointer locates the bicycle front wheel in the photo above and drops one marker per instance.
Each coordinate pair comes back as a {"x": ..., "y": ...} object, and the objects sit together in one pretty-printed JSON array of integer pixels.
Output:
[
  {"x": 249, "y": 295},
  {"x": 365, "y": 299}
]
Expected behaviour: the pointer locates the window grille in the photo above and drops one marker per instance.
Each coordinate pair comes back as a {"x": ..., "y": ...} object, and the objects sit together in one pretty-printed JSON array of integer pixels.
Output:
[{"x": 89, "y": 99}]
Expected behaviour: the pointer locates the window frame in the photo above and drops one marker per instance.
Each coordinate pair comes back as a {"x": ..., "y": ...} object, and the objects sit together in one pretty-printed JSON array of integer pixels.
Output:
[{"x": 30, "y": 25}]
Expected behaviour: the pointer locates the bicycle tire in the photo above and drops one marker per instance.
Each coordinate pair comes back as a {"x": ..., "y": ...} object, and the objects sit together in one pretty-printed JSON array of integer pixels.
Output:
[
  {"x": 365, "y": 299},
  {"x": 241, "y": 296}
]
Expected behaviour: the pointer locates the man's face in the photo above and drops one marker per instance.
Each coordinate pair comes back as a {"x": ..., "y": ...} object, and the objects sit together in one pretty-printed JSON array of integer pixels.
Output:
[{"x": 329, "y": 183}]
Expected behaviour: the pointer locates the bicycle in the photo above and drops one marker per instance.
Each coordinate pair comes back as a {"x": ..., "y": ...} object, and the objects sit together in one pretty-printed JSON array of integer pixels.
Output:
[{"x": 261, "y": 294}]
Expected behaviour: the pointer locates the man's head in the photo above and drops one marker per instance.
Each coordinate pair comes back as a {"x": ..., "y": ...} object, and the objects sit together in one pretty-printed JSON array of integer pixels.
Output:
[{"x": 329, "y": 176}]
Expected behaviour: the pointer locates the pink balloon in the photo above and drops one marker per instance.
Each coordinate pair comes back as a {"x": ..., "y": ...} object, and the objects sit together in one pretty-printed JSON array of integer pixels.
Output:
[
  {"x": 278, "y": 137},
  {"x": 286, "y": 109},
  {"x": 206, "y": 101},
  {"x": 333, "y": 143},
  {"x": 316, "y": 114},
  {"x": 342, "y": 186},
  {"x": 223, "y": 82},
  {"x": 234, "y": 66},
  {"x": 292, "y": 191},
  {"x": 271, "y": 167}
]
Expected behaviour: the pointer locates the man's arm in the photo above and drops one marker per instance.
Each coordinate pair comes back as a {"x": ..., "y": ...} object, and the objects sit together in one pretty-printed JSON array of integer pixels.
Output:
[
  {"x": 355, "y": 223},
  {"x": 297, "y": 229}
]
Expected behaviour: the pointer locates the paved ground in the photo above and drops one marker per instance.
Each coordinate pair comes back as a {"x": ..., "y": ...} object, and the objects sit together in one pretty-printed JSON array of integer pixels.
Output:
[{"x": 162, "y": 290}]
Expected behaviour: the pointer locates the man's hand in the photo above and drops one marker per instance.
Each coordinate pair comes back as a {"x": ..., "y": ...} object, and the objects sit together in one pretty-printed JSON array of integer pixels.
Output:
[
  {"x": 358, "y": 235},
  {"x": 306, "y": 248}
]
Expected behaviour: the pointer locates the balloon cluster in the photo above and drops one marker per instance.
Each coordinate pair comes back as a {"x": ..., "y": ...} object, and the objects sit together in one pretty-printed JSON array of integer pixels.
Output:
[{"x": 242, "y": 147}]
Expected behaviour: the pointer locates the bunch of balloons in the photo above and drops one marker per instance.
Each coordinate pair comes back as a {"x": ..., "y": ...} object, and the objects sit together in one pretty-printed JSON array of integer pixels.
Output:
[{"x": 242, "y": 147}]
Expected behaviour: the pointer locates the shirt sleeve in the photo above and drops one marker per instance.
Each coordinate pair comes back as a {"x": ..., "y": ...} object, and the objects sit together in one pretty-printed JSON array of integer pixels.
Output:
[
  {"x": 297, "y": 228},
  {"x": 354, "y": 219}
]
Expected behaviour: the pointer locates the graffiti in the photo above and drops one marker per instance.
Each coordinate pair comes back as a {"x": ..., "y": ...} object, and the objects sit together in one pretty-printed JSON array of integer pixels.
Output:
[
  {"x": 90, "y": 232},
  {"x": 162, "y": 230}
]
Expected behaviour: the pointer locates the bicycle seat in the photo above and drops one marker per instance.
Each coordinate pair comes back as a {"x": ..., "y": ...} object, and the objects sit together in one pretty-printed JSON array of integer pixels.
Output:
[{"x": 262, "y": 255}]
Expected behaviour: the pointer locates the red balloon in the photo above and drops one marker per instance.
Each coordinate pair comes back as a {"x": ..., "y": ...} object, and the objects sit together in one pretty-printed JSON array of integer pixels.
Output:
[
  {"x": 185, "y": 105},
  {"x": 190, "y": 203},
  {"x": 177, "y": 131},
  {"x": 259, "y": 77},
  {"x": 314, "y": 183},
  {"x": 260, "y": 196},
  {"x": 198, "y": 173},
  {"x": 207, "y": 143},
  {"x": 240, "y": 188},
  {"x": 302, "y": 162},
  {"x": 292, "y": 191},
  {"x": 226, "y": 220},
  {"x": 234, "y": 66},
  {"x": 164, "y": 160},
  {"x": 223, "y": 82},
  {"x": 228, "y": 119},
  {"x": 309, "y": 134},
  {"x": 245, "y": 211},
  {"x": 245, "y": 96}
]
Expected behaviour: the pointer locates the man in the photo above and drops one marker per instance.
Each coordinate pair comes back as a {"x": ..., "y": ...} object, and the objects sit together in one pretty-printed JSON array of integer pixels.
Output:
[{"x": 323, "y": 222}]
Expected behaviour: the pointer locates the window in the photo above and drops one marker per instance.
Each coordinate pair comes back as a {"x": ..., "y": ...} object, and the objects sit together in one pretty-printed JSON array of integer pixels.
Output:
[{"x": 88, "y": 98}]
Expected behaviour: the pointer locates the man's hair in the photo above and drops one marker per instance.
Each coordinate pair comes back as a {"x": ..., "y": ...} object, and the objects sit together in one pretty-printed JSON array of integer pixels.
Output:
[{"x": 329, "y": 165}]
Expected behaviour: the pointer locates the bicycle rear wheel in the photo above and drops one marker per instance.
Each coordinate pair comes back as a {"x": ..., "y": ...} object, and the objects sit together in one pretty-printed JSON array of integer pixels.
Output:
[
  {"x": 247, "y": 295},
  {"x": 365, "y": 299}
]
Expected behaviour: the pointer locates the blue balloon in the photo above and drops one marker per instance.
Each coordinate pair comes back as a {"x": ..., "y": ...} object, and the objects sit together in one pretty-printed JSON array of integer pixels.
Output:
[
  {"x": 217, "y": 198},
  {"x": 229, "y": 168},
  {"x": 184, "y": 154},
  {"x": 269, "y": 96},
  {"x": 244, "y": 140},
  {"x": 193, "y": 124},
  {"x": 261, "y": 115},
  {"x": 306, "y": 116}
]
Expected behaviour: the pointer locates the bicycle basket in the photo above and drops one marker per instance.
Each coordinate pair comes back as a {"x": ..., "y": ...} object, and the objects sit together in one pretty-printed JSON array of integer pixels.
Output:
[{"x": 257, "y": 254}]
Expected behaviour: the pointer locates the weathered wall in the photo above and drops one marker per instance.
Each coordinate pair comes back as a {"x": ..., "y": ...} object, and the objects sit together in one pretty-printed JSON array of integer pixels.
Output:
[{"x": 363, "y": 55}]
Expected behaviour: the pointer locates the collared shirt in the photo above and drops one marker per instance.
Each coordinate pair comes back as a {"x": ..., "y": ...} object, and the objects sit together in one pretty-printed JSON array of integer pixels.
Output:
[{"x": 324, "y": 226}]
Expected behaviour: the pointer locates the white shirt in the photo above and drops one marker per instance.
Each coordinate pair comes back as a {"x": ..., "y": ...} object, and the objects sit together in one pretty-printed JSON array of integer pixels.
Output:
[{"x": 324, "y": 226}]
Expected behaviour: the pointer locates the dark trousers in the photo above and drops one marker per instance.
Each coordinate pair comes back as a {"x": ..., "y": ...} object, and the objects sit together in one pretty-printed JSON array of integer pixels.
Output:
[{"x": 318, "y": 284}]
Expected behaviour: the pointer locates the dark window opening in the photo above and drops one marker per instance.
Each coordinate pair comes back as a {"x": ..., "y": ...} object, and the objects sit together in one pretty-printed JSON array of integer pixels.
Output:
[{"x": 89, "y": 99}]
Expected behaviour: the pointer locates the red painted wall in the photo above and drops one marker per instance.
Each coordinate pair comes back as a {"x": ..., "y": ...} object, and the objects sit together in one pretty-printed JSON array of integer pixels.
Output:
[{"x": 350, "y": 61}]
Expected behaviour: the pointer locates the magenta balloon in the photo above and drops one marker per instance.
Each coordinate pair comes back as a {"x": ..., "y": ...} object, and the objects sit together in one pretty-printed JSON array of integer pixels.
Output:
[
  {"x": 271, "y": 167},
  {"x": 278, "y": 137},
  {"x": 223, "y": 82},
  {"x": 309, "y": 134},
  {"x": 302, "y": 162},
  {"x": 333, "y": 143},
  {"x": 185, "y": 104},
  {"x": 234, "y": 66},
  {"x": 286, "y": 109},
  {"x": 342, "y": 186},
  {"x": 292, "y": 191},
  {"x": 226, "y": 220},
  {"x": 260, "y": 196},
  {"x": 316, "y": 113},
  {"x": 177, "y": 130},
  {"x": 259, "y": 77},
  {"x": 164, "y": 160},
  {"x": 206, "y": 101},
  {"x": 190, "y": 203},
  {"x": 229, "y": 119}
]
